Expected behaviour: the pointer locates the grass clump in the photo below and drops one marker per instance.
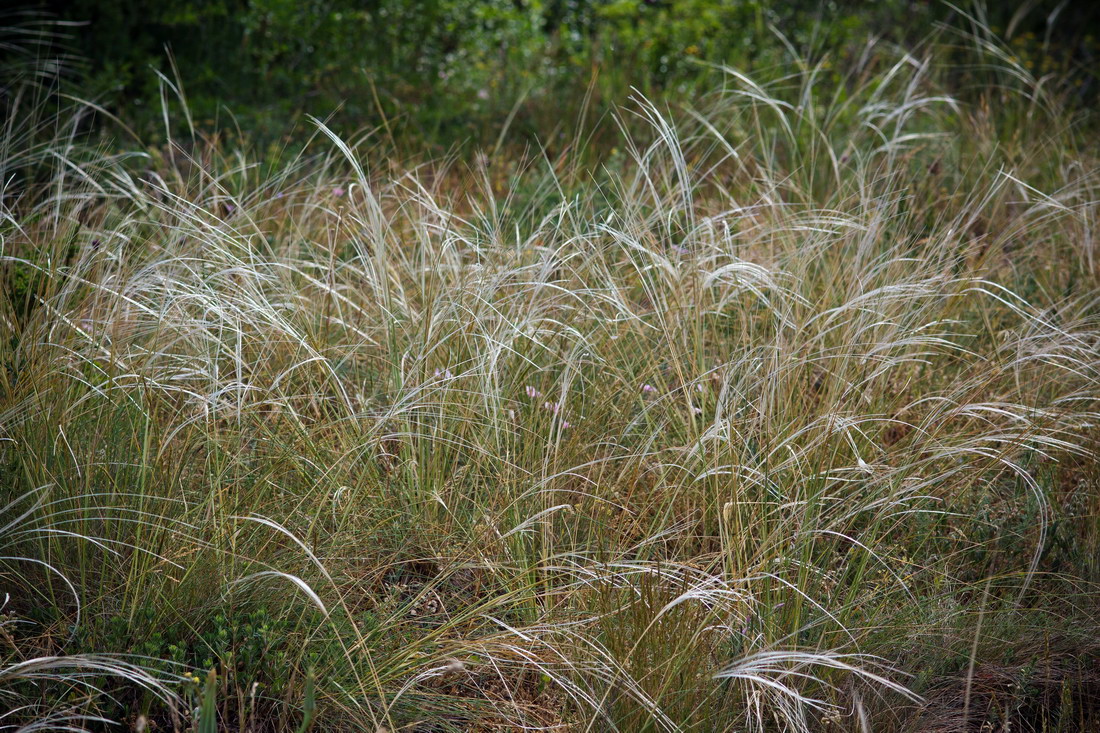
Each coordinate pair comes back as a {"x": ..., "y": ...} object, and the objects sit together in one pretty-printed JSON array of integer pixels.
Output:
[{"x": 781, "y": 418}]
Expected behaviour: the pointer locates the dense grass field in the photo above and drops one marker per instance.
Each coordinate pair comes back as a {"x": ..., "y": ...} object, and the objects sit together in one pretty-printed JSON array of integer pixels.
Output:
[{"x": 774, "y": 411}]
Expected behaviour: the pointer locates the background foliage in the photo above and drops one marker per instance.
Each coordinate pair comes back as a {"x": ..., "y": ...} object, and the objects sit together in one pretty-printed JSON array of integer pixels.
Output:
[{"x": 442, "y": 68}]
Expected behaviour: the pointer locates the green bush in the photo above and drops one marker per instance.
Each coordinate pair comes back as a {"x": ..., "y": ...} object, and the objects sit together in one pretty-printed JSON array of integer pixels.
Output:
[{"x": 441, "y": 68}]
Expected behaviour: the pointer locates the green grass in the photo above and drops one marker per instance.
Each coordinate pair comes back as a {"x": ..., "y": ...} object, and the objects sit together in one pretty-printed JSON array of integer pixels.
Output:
[{"x": 780, "y": 418}]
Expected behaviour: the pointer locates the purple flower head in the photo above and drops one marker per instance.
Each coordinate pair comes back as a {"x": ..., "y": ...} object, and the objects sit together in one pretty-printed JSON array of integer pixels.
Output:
[
  {"x": 338, "y": 191},
  {"x": 647, "y": 388},
  {"x": 532, "y": 392}
]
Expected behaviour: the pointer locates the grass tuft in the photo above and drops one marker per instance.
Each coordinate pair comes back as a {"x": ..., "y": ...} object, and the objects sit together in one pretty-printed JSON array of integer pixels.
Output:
[{"x": 781, "y": 418}]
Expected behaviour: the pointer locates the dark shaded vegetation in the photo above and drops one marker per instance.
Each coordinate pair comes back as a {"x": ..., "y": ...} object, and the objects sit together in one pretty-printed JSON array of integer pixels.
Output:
[{"x": 446, "y": 71}]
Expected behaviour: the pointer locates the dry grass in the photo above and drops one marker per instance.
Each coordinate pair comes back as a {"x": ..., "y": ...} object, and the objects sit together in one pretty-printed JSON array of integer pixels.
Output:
[{"x": 779, "y": 420}]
